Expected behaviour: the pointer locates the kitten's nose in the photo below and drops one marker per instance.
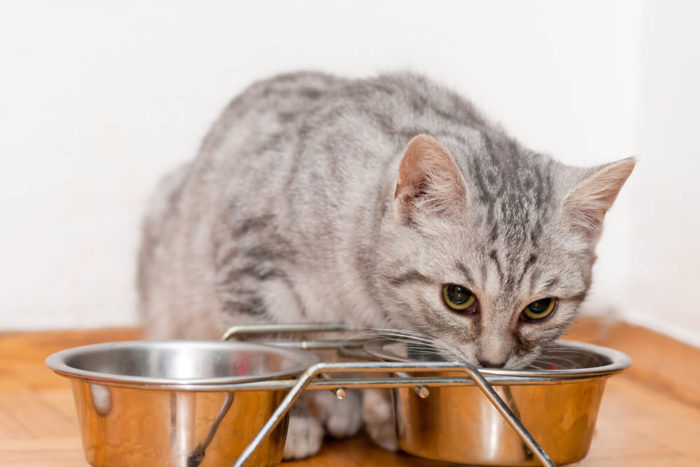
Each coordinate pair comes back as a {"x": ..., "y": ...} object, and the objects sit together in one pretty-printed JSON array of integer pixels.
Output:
[{"x": 489, "y": 364}]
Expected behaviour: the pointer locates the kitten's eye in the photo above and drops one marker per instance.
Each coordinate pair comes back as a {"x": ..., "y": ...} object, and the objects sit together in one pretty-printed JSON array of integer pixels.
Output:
[
  {"x": 539, "y": 309},
  {"x": 458, "y": 298}
]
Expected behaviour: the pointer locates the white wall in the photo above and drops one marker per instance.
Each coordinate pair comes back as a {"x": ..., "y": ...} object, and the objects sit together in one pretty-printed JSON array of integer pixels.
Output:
[
  {"x": 662, "y": 284},
  {"x": 97, "y": 99}
]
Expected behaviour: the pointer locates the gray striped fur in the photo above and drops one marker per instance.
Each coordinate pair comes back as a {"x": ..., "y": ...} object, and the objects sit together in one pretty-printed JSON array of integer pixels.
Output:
[{"x": 288, "y": 214}]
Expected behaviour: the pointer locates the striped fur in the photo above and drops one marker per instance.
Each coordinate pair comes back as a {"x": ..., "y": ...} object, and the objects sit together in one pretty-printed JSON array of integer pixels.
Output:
[{"x": 288, "y": 214}]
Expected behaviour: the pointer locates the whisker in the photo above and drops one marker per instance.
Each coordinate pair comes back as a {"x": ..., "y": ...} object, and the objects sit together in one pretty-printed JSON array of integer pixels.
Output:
[
  {"x": 420, "y": 344},
  {"x": 533, "y": 366}
]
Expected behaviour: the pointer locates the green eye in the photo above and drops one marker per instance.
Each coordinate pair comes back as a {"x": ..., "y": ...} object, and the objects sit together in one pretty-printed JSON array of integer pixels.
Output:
[
  {"x": 458, "y": 298},
  {"x": 539, "y": 309}
]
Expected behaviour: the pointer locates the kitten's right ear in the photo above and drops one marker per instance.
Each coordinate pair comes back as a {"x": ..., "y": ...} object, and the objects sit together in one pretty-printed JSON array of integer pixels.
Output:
[{"x": 429, "y": 182}]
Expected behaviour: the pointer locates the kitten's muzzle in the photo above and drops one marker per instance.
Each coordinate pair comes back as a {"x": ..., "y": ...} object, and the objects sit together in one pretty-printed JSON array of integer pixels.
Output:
[{"x": 489, "y": 364}]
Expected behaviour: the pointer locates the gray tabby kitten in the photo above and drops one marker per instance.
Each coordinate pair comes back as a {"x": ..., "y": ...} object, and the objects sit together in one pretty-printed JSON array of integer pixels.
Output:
[{"x": 385, "y": 202}]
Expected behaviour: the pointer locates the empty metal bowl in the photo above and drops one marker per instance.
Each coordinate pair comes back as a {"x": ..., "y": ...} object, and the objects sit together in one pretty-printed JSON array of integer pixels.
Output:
[
  {"x": 556, "y": 399},
  {"x": 147, "y": 403}
]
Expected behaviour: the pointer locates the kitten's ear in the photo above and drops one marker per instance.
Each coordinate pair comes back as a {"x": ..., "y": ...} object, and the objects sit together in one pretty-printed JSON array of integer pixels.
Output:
[
  {"x": 586, "y": 204},
  {"x": 429, "y": 182}
]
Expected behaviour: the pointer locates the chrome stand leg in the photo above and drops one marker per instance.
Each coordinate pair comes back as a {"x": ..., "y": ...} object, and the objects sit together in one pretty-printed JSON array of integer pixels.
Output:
[
  {"x": 280, "y": 412},
  {"x": 306, "y": 378}
]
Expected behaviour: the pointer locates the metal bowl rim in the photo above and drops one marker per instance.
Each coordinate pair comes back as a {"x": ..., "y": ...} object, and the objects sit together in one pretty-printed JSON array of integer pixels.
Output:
[
  {"x": 57, "y": 362},
  {"x": 618, "y": 361}
]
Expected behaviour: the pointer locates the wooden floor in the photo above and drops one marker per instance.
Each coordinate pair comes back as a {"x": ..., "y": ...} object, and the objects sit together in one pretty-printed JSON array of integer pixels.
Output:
[{"x": 641, "y": 423}]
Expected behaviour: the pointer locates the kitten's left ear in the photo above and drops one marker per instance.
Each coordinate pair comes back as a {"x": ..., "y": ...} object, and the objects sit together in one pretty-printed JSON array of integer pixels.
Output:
[
  {"x": 429, "y": 182},
  {"x": 586, "y": 204}
]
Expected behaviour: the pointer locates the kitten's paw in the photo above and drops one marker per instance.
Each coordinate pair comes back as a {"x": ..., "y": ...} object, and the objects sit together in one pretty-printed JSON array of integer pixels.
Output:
[
  {"x": 342, "y": 418},
  {"x": 379, "y": 418},
  {"x": 304, "y": 436}
]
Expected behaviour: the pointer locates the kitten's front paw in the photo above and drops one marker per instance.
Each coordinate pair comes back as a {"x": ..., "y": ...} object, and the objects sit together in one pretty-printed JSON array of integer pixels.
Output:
[
  {"x": 304, "y": 436},
  {"x": 379, "y": 418},
  {"x": 342, "y": 418}
]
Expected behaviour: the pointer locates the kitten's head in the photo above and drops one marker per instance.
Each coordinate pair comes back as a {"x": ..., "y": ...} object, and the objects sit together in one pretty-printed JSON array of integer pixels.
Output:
[{"x": 492, "y": 253}]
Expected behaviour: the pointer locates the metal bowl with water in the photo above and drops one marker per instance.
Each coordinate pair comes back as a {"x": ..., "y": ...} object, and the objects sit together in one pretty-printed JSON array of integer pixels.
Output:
[
  {"x": 556, "y": 398},
  {"x": 172, "y": 403}
]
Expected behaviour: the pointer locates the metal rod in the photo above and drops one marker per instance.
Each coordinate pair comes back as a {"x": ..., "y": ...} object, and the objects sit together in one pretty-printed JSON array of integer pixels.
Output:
[
  {"x": 319, "y": 344},
  {"x": 199, "y": 452},
  {"x": 280, "y": 411},
  {"x": 338, "y": 391},
  {"x": 510, "y": 417},
  {"x": 358, "y": 383},
  {"x": 306, "y": 378},
  {"x": 420, "y": 390},
  {"x": 257, "y": 329}
]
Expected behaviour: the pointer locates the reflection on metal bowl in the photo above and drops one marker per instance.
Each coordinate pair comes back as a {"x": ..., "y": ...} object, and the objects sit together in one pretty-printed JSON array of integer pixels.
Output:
[
  {"x": 556, "y": 399},
  {"x": 162, "y": 403}
]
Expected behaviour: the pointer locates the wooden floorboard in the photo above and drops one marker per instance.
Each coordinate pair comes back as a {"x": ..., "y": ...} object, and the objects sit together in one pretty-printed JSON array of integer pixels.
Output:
[{"x": 640, "y": 424}]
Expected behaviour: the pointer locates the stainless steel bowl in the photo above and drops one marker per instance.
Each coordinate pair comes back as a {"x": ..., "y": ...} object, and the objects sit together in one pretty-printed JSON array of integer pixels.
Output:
[
  {"x": 556, "y": 399},
  {"x": 161, "y": 403}
]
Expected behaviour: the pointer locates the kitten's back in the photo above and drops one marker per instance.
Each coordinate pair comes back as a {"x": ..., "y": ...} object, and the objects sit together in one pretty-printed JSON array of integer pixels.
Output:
[{"x": 276, "y": 218}]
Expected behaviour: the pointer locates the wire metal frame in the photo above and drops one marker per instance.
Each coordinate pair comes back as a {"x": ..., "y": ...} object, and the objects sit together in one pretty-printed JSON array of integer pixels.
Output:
[{"x": 318, "y": 377}]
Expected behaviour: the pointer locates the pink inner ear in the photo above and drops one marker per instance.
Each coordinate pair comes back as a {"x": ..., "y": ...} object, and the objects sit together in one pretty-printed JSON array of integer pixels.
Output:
[{"x": 429, "y": 181}]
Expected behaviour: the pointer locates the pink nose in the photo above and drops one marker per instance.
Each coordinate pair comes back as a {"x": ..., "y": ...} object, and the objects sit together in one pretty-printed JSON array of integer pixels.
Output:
[{"x": 490, "y": 364}]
